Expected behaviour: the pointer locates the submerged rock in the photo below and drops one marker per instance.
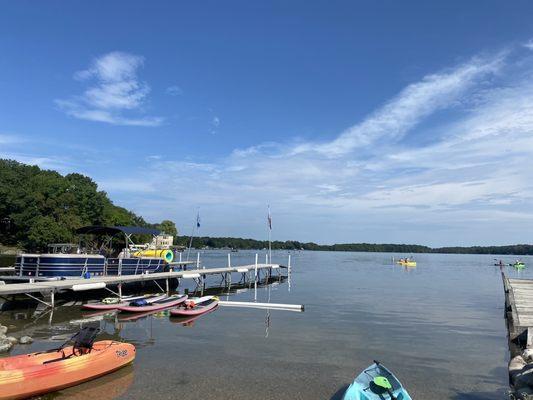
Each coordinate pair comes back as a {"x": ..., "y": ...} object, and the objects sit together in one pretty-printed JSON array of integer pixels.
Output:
[
  {"x": 5, "y": 345},
  {"x": 12, "y": 339},
  {"x": 516, "y": 364},
  {"x": 527, "y": 355},
  {"x": 25, "y": 340}
]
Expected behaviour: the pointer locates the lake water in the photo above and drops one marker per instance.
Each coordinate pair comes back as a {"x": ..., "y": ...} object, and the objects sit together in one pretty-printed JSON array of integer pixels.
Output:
[{"x": 439, "y": 326}]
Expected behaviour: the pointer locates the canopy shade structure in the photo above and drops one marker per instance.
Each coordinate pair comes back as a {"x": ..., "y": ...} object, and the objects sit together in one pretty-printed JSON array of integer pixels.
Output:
[{"x": 113, "y": 230}]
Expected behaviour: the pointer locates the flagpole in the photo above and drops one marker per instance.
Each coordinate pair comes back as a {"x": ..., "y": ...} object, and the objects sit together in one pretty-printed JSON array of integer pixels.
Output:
[
  {"x": 194, "y": 228},
  {"x": 269, "y": 235}
]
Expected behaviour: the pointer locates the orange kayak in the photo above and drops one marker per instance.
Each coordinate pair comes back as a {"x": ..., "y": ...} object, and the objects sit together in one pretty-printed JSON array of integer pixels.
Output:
[{"x": 37, "y": 373}]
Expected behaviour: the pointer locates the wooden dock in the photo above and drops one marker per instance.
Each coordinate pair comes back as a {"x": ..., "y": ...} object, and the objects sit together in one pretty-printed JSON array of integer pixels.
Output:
[
  {"x": 51, "y": 287},
  {"x": 519, "y": 311}
]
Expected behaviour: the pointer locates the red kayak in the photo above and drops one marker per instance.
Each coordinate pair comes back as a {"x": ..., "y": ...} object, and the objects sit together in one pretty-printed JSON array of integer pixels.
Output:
[
  {"x": 196, "y": 307},
  {"x": 169, "y": 302},
  {"x": 111, "y": 304}
]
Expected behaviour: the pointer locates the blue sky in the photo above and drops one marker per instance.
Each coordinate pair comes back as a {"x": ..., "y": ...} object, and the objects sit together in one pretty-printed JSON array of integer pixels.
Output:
[{"x": 360, "y": 121}]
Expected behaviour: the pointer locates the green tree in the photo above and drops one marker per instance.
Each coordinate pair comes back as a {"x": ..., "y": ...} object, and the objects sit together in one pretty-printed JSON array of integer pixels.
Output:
[{"x": 167, "y": 227}]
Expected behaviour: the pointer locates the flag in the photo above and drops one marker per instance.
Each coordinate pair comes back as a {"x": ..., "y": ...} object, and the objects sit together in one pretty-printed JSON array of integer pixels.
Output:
[
  {"x": 269, "y": 219},
  {"x": 198, "y": 220}
]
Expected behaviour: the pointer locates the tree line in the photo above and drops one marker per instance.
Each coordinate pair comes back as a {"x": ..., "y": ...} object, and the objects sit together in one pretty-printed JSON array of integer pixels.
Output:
[
  {"x": 38, "y": 207},
  {"x": 252, "y": 244}
]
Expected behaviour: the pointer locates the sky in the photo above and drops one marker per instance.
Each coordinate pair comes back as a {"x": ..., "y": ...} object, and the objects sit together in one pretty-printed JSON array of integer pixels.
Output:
[{"x": 356, "y": 121}]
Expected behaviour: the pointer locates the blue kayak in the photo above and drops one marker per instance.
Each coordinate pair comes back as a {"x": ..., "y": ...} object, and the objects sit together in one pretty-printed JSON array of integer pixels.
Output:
[{"x": 376, "y": 383}]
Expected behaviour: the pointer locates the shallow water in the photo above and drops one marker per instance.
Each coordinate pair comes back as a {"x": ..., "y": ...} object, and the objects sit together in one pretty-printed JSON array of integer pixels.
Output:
[{"x": 439, "y": 326}]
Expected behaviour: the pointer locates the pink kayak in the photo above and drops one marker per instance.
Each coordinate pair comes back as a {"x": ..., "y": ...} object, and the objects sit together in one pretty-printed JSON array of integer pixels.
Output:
[
  {"x": 102, "y": 305},
  {"x": 188, "y": 320},
  {"x": 192, "y": 307},
  {"x": 171, "y": 301}
]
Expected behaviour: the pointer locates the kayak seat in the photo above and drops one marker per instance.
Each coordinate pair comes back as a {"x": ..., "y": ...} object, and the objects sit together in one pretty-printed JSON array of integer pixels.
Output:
[
  {"x": 83, "y": 344},
  {"x": 85, "y": 339}
]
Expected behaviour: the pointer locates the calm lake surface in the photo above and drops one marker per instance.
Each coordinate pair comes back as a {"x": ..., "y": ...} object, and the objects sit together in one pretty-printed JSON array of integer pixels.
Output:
[{"x": 439, "y": 326}]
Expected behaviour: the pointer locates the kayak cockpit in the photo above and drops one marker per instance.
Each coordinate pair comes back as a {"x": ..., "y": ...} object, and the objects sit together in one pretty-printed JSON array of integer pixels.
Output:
[{"x": 368, "y": 376}]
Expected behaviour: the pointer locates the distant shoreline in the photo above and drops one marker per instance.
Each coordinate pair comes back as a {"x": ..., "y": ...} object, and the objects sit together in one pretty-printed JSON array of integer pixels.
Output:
[
  {"x": 243, "y": 244},
  {"x": 207, "y": 242}
]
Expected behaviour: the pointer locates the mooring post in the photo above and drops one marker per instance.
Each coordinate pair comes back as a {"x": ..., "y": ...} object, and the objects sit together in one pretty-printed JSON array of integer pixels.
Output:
[
  {"x": 198, "y": 260},
  {"x": 229, "y": 260},
  {"x": 52, "y": 299},
  {"x": 180, "y": 256},
  {"x": 255, "y": 280},
  {"x": 289, "y": 273},
  {"x": 168, "y": 288}
]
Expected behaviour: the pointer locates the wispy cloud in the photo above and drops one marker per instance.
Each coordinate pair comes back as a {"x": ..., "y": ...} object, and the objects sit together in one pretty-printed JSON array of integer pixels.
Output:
[
  {"x": 215, "y": 124},
  {"x": 174, "y": 90},
  {"x": 7, "y": 138},
  {"x": 409, "y": 107},
  {"x": 114, "y": 95}
]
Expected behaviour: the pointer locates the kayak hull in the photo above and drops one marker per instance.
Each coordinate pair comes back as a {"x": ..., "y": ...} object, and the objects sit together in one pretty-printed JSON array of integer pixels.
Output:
[
  {"x": 198, "y": 309},
  {"x": 408, "y": 263},
  {"x": 33, "y": 374},
  {"x": 158, "y": 305},
  {"x": 362, "y": 389}
]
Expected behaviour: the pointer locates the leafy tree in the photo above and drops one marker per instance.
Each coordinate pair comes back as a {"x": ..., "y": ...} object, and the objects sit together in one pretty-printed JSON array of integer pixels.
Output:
[
  {"x": 167, "y": 227},
  {"x": 38, "y": 206}
]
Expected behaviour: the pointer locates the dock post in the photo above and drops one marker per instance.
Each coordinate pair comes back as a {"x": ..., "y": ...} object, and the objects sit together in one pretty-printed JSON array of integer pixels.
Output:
[
  {"x": 289, "y": 272},
  {"x": 168, "y": 289},
  {"x": 229, "y": 260},
  {"x": 229, "y": 286},
  {"x": 198, "y": 260},
  {"x": 180, "y": 256},
  {"x": 255, "y": 279},
  {"x": 52, "y": 299}
]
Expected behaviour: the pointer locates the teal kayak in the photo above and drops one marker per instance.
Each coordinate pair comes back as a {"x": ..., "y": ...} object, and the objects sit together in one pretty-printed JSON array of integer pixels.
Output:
[{"x": 376, "y": 383}]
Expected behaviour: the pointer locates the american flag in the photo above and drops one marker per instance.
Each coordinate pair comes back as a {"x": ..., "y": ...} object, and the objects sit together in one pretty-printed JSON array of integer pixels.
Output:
[
  {"x": 269, "y": 219},
  {"x": 198, "y": 220}
]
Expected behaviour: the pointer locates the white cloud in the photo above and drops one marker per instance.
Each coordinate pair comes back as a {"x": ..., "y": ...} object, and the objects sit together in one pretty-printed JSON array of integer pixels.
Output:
[
  {"x": 529, "y": 44},
  {"x": 174, "y": 90},
  {"x": 406, "y": 110},
  {"x": 115, "y": 95}
]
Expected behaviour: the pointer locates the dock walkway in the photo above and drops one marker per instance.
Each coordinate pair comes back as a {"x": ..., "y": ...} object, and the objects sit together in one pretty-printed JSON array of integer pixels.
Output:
[
  {"x": 519, "y": 308},
  {"x": 100, "y": 282}
]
